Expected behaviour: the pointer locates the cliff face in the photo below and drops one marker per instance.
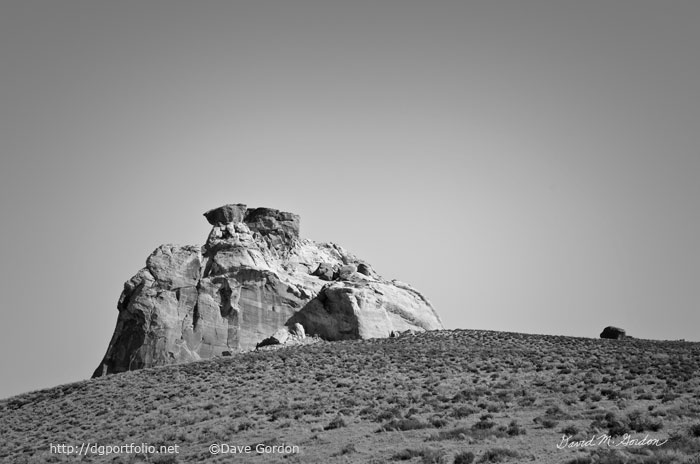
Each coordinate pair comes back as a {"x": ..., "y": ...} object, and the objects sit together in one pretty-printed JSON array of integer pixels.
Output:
[{"x": 253, "y": 276}]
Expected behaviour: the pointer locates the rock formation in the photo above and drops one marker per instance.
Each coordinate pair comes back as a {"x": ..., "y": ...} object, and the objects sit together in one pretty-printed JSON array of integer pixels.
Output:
[
  {"x": 253, "y": 277},
  {"x": 614, "y": 333},
  {"x": 364, "y": 308}
]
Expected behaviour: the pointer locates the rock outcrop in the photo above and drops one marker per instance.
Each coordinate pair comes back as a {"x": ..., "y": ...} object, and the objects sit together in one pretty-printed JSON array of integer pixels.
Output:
[
  {"x": 253, "y": 277},
  {"x": 365, "y": 308},
  {"x": 614, "y": 333},
  {"x": 293, "y": 334}
]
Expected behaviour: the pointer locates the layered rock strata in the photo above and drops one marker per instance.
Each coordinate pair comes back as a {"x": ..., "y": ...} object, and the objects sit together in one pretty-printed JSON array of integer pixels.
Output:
[{"x": 253, "y": 277}]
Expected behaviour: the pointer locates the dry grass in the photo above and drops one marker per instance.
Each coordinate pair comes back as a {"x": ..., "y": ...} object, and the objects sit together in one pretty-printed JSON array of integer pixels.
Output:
[{"x": 443, "y": 397}]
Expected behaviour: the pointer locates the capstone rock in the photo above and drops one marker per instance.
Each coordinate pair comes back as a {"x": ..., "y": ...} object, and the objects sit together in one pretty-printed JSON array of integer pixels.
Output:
[{"x": 227, "y": 214}]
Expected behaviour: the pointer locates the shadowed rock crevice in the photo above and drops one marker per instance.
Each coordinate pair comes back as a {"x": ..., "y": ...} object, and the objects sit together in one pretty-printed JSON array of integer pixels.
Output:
[
  {"x": 195, "y": 315},
  {"x": 225, "y": 292},
  {"x": 252, "y": 279}
]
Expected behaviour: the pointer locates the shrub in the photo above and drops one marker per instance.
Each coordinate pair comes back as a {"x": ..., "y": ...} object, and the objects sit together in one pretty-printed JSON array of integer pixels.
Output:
[
  {"x": 695, "y": 430},
  {"x": 614, "y": 394},
  {"x": 548, "y": 423},
  {"x": 615, "y": 425},
  {"x": 470, "y": 395},
  {"x": 347, "y": 449},
  {"x": 526, "y": 401},
  {"x": 427, "y": 455},
  {"x": 411, "y": 412},
  {"x": 684, "y": 444},
  {"x": 431, "y": 456},
  {"x": 498, "y": 455},
  {"x": 514, "y": 429},
  {"x": 580, "y": 460},
  {"x": 465, "y": 457},
  {"x": 388, "y": 414},
  {"x": 403, "y": 425},
  {"x": 367, "y": 411},
  {"x": 458, "y": 433},
  {"x": 483, "y": 424},
  {"x": 667, "y": 397},
  {"x": 462, "y": 411},
  {"x": 617, "y": 428},
  {"x": 493, "y": 407},
  {"x": 245, "y": 426},
  {"x": 165, "y": 459},
  {"x": 555, "y": 412},
  {"x": 438, "y": 422},
  {"x": 406, "y": 455},
  {"x": 639, "y": 422},
  {"x": 336, "y": 423},
  {"x": 608, "y": 457}
]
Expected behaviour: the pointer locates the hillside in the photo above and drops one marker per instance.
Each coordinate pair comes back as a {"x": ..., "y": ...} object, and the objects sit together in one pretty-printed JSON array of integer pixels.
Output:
[{"x": 431, "y": 397}]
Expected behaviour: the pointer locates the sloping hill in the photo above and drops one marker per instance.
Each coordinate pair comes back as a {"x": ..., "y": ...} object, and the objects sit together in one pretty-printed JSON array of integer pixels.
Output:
[{"x": 431, "y": 397}]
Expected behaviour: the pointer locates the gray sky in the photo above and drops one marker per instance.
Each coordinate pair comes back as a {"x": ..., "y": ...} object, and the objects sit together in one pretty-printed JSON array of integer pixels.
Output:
[{"x": 531, "y": 166}]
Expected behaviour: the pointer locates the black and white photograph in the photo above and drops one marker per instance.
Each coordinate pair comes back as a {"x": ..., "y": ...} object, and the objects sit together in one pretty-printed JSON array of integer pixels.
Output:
[{"x": 350, "y": 231}]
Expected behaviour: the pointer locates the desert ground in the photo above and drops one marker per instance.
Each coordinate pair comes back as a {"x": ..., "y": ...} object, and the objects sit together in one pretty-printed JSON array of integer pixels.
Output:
[{"x": 449, "y": 396}]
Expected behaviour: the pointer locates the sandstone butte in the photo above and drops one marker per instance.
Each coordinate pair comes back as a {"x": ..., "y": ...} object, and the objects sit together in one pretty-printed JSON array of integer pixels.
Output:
[{"x": 253, "y": 278}]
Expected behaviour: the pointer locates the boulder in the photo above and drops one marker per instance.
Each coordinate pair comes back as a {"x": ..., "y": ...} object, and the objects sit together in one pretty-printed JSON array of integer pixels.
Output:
[
  {"x": 285, "y": 336},
  {"x": 279, "y": 227},
  {"x": 614, "y": 333},
  {"x": 346, "y": 272},
  {"x": 281, "y": 336},
  {"x": 175, "y": 266},
  {"x": 366, "y": 269},
  {"x": 325, "y": 271},
  {"x": 297, "y": 330},
  {"x": 253, "y": 277},
  {"x": 366, "y": 309}
]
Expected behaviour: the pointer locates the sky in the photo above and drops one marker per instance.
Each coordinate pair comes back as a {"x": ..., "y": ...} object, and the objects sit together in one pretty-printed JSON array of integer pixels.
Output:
[{"x": 530, "y": 166}]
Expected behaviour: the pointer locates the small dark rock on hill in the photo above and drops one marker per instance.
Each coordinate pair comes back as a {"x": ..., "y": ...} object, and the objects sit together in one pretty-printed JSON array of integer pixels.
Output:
[{"x": 613, "y": 333}]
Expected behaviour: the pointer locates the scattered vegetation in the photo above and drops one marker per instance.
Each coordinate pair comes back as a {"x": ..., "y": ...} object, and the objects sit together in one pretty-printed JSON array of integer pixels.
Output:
[
  {"x": 403, "y": 425},
  {"x": 465, "y": 457},
  {"x": 461, "y": 396},
  {"x": 336, "y": 423},
  {"x": 427, "y": 455},
  {"x": 498, "y": 455},
  {"x": 695, "y": 430}
]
